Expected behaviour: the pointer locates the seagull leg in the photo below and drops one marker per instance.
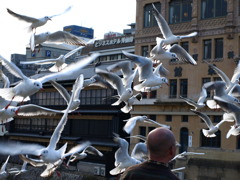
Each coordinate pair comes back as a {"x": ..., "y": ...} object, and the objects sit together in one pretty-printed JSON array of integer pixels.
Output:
[{"x": 10, "y": 102}]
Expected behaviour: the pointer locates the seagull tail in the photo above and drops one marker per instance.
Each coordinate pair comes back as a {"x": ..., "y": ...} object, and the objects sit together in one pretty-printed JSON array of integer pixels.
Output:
[{"x": 126, "y": 109}]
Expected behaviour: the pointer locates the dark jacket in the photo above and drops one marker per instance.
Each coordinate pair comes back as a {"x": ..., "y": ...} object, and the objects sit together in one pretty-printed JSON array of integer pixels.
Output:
[{"x": 148, "y": 170}]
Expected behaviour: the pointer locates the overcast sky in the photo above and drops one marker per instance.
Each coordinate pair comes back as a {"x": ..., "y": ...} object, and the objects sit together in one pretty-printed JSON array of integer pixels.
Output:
[{"x": 101, "y": 15}]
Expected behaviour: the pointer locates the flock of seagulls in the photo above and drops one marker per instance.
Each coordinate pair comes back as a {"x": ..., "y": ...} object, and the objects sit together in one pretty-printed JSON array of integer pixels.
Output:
[{"x": 129, "y": 77}]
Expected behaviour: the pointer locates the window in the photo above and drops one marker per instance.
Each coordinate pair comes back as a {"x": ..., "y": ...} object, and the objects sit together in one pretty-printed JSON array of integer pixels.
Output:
[
  {"x": 205, "y": 80},
  {"x": 219, "y": 48},
  {"x": 144, "y": 95},
  {"x": 145, "y": 51},
  {"x": 217, "y": 79},
  {"x": 207, "y": 49},
  {"x": 217, "y": 119},
  {"x": 153, "y": 94},
  {"x": 211, "y": 142},
  {"x": 149, "y": 19},
  {"x": 142, "y": 131},
  {"x": 185, "y": 45},
  {"x": 180, "y": 11},
  {"x": 183, "y": 87},
  {"x": 213, "y": 8},
  {"x": 173, "y": 88},
  {"x": 168, "y": 118},
  {"x": 183, "y": 139},
  {"x": 184, "y": 118}
]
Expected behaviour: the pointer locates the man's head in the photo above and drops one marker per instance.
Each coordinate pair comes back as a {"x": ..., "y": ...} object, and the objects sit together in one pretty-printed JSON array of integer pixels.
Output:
[{"x": 161, "y": 144}]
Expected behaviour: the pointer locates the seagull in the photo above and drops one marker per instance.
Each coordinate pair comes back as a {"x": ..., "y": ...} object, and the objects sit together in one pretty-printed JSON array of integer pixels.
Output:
[
  {"x": 4, "y": 78},
  {"x": 173, "y": 52},
  {"x": 56, "y": 37},
  {"x": 200, "y": 103},
  {"x": 125, "y": 67},
  {"x": 169, "y": 37},
  {"x": 233, "y": 111},
  {"x": 230, "y": 84},
  {"x": 78, "y": 85},
  {"x": 21, "y": 93},
  {"x": 147, "y": 77},
  {"x": 7, "y": 114},
  {"x": 128, "y": 107},
  {"x": 48, "y": 155},
  {"x": 17, "y": 171},
  {"x": 212, "y": 128},
  {"x": 122, "y": 158},
  {"x": 35, "y": 22},
  {"x": 219, "y": 88},
  {"x": 97, "y": 80},
  {"x": 140, "y": 151},
  {"x": 124, "y": 92},
  {"x": 59, "y": 63},
  {"x": 128, "y": 127},
  {"x": 184, "y": 154},
  {"x": 88, "y": 150},
  {"x": 3, "y": 172}
]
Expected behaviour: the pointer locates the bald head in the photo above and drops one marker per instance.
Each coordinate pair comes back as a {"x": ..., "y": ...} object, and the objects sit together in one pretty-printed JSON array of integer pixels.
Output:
[{"x": 161, "y": 144}]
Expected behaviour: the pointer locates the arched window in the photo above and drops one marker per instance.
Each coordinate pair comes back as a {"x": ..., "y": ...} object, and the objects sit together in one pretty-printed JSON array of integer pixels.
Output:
[
  {"x": 149, "y": 19},
  {"x": 211, "y": 141},
  {"x": 180, "y": 11},
  {"x": 183, "y": 139}
]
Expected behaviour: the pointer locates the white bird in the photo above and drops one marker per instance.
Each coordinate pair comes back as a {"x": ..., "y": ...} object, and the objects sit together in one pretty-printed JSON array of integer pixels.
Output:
[
  {"x": 147, "y": 77},
  {"x": 88, "y": 150},
  {"x": 5, "y": 79},
  {"x": 212, "y": 128},
  {"x": 169, "y": 37},
  {"x": 48, "y": 155},
  {"x": 7, "y": 114},
  {"x": 128, "y": 107},
  {"x": 56, "y": 37},
  {"x": 219, "y": 88},
  {"x": 131, "y": 123},
  {"x": 125, "y": 67},
  {"x": 200, "y": 103},
  {"x": 122, "y": 158},
  {"x": 17, "y": 171},
  {"x": 21, "y": 93},
  {"x": 3, "y": 172},
  {"x": 35, "y": 22},
  {"x": 233, "y": 110},
  {"x": 59, "y": 63},
  {"x": 184, "y": 154},
  {"x": 124, "y": 92},
  {"x": 78, "y": 85},
  {"x": 97, "y": 80},
  {"x": 140, "y": 151},
  {"x": 230, "y": 84}
]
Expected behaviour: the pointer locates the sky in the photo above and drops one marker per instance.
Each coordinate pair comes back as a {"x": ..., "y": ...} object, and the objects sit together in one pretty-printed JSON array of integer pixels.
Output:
[{"x": 101, "y": 15}]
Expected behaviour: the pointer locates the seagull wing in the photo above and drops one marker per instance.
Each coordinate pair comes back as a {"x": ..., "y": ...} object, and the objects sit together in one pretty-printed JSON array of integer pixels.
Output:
[
  {"x": 182, "y": 54},
  {"x": 204, "y": 117},
  {"x": 145, "y": 65},
  {"x": 64, "y": 93},
  {"x": 3, "y": 168},
  {"x": 112, "y": 78},
  {"x": 22, "y": 17},
  {"x": 161, "y": 70},
  {"x": 71, "y": 70},
  {"x": 124, "y": 66},
  {"x": 128, "y": 127},
  {"x": 35, "y": 110},
  {"x": 45, "y": 61},
  {"x": 77, "y": 87},
  {"x": 12, "y": 68},
  {"x": 189, "y": 35},
  {"x": 5, "y": 79},
  {"x": 66, "y": 10},
  {"x": 77, "y": 148},
  {"x": 66, "y": 37},
  {"x": 140, "y": 151},
  {"x": 92, "y": 150},
  {"x": 162, "y": 24},
  {"x": 220, "y": 73},
  {"x": 16, "y": 148},
  {"x": 73, "y": 52}
]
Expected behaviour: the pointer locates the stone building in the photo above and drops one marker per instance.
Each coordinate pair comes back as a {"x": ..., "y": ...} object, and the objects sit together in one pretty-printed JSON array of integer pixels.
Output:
[{"x": 218, "y": 28}]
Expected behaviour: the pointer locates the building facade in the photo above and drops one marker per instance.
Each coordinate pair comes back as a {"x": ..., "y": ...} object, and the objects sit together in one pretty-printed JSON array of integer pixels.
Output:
[{"x": 218, "y": 28}]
